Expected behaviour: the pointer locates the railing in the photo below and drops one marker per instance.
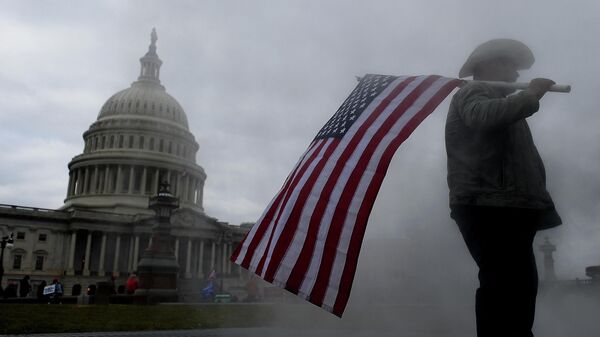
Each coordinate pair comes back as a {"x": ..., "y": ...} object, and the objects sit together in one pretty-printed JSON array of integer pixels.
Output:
[{"x": 34, "y": 209}]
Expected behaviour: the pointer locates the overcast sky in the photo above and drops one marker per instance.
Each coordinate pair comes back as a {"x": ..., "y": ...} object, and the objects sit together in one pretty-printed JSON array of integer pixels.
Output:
[{"x": 258, "y": 79}]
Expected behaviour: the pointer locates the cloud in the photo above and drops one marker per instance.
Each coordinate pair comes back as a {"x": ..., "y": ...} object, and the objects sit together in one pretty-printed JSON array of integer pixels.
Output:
[{"x": 29, "y": 175}]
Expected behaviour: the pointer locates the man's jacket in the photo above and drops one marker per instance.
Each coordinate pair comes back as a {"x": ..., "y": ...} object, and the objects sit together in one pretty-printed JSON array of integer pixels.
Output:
[{"x": 492, "y": 160}]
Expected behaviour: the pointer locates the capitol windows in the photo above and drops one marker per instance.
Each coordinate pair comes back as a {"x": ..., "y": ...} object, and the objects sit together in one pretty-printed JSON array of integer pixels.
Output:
[
  {"x": 121, "y": 141},
  {"x": 17, "y": 261},
  {"x": 111, "y": 143},
  {"x": 20, "y": 235},
  {"x": 40, "y": 260},
  {"x": 161, "y": 145},
  {"x": 103, "y": 142},
  {"x": 130, "y": 143},
  {"x": 170, "y": 147},
  {"x": 43, "y": 237},
  {"x": 178, "y": 149},
  {"x": 151, "y": 144},
  {"x": 141, "y": 143}
]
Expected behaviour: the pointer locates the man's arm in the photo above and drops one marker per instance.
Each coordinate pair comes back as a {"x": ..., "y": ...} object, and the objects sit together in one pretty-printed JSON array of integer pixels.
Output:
[{"x": 479, "y": 110}]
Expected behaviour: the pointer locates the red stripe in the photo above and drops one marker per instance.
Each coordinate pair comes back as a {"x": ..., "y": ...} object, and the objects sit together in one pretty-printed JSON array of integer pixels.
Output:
[
  {"x": 371, "y": 193},
  {"x": 341, "y": 211},
  {"x": 298, "y": 272},
  {"x": 264, "y": 224},
  {"x": 304, "y": 192},
  {"x": 285, "y": 201}
]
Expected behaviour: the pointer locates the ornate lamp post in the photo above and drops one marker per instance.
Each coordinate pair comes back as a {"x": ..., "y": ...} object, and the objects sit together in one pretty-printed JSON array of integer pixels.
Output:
[
  {"x": 158, "y": 269},
  {"x": 6, "y": 242}
]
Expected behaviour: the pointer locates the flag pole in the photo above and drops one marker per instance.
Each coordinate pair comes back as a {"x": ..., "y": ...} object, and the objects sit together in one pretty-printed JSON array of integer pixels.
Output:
[
  {"x": 517, "y": 85},
  {"x": 522, "y": 85}
]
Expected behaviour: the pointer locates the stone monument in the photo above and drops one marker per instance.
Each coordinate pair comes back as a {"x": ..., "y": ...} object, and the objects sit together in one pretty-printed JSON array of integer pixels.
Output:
[
  {"x": 158, "y": 268},
  {"x": 548, "y": 249}
]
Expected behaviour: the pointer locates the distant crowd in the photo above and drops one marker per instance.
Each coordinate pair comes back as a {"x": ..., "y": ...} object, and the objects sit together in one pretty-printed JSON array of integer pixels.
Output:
[{"x": 54, "y": 291}]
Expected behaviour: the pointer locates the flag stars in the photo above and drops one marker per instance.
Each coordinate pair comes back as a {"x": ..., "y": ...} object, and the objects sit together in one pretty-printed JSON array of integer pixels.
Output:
[{"x": 369, "y": 87}]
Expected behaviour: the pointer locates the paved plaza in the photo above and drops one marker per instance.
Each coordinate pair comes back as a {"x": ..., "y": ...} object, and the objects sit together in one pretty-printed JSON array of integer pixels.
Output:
[{"x": 241, "y": 332}]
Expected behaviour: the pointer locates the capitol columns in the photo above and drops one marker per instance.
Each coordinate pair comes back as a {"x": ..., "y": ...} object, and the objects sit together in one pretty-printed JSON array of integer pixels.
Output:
[
  {"x": 116, "y": 260},
  {"x": 190, "y": 190},
  {"x": 86, "y": 178},
  {"x": 155, "y": 188},
  {"x": 131, "y": 179},
  {"x": 106, "y": 177},
  {"x": 70, "y": 187},
  {"x": 136, "y": 252},
  {"x": 71, "y": 261},
  {"x": 88, "y": 248},
  {"x": 94, "y": 180},
  {"x": 198, "y": 193},
  {"x": 119, "y": 177},
  {"x": 102, "y": 255},
  {"x": 143, "y": 182},
  {"x": 185, "y": 191},
  {"x": 201, "y": 260},
  {"x": 188, "y": 260},
  {"x": 76, "y": 181}
]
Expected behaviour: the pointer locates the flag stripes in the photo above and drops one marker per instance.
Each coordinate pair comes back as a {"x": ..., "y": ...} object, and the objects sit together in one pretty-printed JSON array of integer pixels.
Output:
[{"x": 309, "y": 237}]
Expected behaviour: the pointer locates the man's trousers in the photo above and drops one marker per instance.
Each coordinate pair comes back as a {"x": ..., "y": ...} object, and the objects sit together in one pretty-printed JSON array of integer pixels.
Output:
[{"x": 500, "y": 240}]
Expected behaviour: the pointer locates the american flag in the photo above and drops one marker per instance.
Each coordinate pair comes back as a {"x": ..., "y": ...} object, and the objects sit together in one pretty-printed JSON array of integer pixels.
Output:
[{"x": 308, "y": 239}]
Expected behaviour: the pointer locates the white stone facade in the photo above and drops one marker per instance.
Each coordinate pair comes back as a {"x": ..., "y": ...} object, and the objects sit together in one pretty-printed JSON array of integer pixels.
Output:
[{"x": 139, "y": 139}]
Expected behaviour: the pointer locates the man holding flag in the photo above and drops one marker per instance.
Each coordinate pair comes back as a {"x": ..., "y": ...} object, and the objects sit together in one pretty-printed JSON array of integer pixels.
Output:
[
  {"x": 309, "y": 237},
  {"x": 497, "y": 184}
]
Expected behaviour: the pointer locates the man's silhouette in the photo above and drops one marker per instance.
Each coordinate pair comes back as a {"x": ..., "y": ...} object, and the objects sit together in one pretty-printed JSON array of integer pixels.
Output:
[{"x": 497, "y": 184}]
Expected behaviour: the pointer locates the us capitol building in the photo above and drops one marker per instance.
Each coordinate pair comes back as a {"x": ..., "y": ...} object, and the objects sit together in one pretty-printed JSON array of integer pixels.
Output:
[{"x": 140, "y": 138}]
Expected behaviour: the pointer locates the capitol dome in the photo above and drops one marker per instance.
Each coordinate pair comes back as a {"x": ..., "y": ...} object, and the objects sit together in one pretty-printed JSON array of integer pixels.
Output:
[
  {"x": 144, "y": 99},
  {"x": 140, "y": 138}
]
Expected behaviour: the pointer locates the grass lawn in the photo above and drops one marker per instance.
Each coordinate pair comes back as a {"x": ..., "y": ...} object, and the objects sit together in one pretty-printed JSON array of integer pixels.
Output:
[{"x": 38, "y": 318}]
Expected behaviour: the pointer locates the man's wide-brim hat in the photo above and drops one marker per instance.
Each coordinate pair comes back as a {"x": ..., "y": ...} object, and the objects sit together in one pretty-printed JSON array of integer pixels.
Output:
[{"x": 513, "y": 49}]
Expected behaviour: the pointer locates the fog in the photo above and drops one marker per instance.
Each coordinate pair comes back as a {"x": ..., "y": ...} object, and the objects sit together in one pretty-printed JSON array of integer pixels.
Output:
[{"x": 259, "y": 79}]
